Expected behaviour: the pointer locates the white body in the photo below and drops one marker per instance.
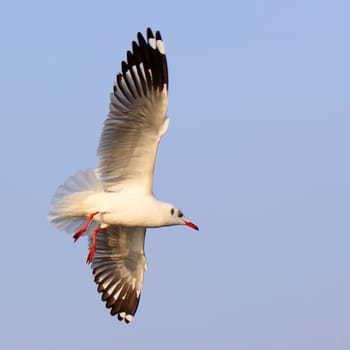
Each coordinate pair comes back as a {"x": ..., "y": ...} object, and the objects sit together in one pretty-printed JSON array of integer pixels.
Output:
[{"x": 123, "y": 208}]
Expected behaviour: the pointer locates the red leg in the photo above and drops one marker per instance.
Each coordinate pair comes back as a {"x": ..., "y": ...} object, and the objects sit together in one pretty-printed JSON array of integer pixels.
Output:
[
  {"x": 93, "y": 248},
  {"x": 84, "y": 228}
]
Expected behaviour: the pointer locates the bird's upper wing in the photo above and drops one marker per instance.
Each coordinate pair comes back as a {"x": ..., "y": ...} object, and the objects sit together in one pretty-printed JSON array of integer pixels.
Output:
[
  {"x": 137, "y": 117},
  {"x": 118, "y": 266}
]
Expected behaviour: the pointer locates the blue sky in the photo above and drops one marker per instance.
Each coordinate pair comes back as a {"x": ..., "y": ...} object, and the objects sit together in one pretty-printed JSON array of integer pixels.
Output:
[{"x": 257, "y": 154}]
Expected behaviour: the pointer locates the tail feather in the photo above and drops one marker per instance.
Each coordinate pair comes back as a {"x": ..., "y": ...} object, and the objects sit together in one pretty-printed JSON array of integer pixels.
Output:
[{"x": 65, "y": 212}]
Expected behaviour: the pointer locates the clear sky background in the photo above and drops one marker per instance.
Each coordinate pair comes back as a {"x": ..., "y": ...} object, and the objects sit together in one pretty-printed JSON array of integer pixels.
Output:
[{"x": 257, "y": 154}]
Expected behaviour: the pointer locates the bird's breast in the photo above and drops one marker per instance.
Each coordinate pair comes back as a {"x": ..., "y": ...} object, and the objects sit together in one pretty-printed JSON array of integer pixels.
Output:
[{"x": 126, "y": 209}]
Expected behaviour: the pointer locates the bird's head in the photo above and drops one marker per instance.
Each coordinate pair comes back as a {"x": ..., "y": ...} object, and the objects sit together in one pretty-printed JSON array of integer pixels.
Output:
[{"x": 176, "y": 217}]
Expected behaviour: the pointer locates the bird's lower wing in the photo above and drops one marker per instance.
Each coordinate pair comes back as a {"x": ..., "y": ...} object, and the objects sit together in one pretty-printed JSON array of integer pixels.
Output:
[{"x": 118, "y": 266}]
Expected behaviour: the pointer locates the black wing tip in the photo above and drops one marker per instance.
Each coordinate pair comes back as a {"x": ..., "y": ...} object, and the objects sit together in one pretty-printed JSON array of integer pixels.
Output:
[
  {"x": 134, "y": 46},
  {"x": 123, "y": 307},
  {"x": 125, "y": 66},
  {"x": 149, "y": 33},
  {"x": 153, "y": 75},
  {"x": 131, "y": 58},
  {"x": 158, "y": 36},
  {"x": 141, "y": 39}
]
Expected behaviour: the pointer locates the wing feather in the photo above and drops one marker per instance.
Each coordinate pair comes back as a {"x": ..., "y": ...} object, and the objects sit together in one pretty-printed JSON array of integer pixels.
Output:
[
  {"x": 118, "y": 267},
  {"x": 132, "y": 130}
]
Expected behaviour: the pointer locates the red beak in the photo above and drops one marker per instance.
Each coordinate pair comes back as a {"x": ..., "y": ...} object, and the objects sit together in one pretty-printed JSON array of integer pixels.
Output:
[{"x": 192, "y": 225}]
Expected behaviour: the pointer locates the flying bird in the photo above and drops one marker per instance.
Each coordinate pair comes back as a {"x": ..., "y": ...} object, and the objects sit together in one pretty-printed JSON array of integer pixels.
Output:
[{"x": 114, "y": 204}]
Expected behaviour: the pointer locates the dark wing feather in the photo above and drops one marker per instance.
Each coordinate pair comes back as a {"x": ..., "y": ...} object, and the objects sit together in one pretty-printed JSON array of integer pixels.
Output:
[{"x": 118, "y": 266}]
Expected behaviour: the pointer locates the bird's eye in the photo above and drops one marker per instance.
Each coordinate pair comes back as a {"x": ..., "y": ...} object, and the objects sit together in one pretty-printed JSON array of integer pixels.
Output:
[
  {"x": 172, "y": 211},
  {"x": 180, "y": 214}
]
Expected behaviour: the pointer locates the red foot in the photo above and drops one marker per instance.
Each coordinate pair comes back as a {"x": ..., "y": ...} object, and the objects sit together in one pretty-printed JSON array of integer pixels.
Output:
[
  {"x": 84, "y": 228},
  {"x": 93, "y": 248},
  {"x": 90, "y": 255}
]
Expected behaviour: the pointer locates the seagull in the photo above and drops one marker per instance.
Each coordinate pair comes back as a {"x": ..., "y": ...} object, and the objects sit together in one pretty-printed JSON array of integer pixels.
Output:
[{"x": 114, "y": 203}]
